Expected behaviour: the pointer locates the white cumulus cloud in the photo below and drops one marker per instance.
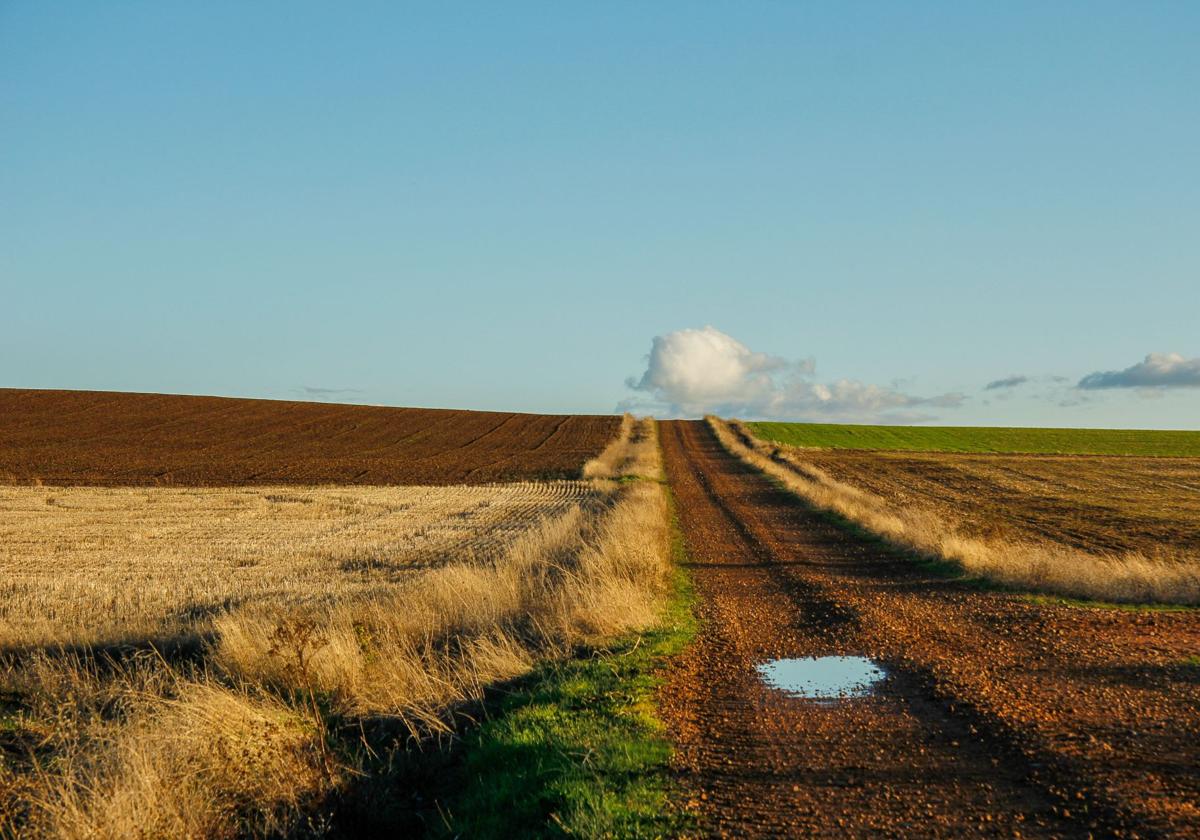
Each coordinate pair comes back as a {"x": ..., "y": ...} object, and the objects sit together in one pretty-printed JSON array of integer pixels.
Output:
[{"x": 692, "y": 372}]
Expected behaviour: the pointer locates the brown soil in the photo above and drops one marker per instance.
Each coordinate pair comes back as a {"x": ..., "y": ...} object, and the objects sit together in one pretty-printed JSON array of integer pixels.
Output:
[
  {"x": 999, "y": 717},
  {"x": 1096, "y": 503},
  {"x": 116, "y": 439}
]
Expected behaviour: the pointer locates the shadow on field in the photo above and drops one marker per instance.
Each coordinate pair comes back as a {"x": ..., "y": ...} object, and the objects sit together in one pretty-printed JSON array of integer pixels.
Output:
[
  {"x": 571, "y": 748},
  {"x": 188, "y": 648},
  {"x": 1141, "y": 675}
]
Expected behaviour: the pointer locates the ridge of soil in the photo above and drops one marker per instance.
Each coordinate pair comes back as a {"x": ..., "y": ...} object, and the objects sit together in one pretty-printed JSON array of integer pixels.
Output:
[
  {"x": 103, "y": 438},
  {"x": 999, "y": 717}
]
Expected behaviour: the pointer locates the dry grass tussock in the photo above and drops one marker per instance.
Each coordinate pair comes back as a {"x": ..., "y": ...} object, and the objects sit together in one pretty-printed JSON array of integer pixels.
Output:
[
  {"x": 1021, "y": 563},
  {"x": 235, "y": 744},
  {"x": 195, "y": 759},
  {"x": 629, "y": 455}
]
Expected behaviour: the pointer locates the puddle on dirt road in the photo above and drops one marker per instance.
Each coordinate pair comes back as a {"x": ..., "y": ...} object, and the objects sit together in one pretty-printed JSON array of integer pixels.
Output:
[{"x": 824, "y": 678}]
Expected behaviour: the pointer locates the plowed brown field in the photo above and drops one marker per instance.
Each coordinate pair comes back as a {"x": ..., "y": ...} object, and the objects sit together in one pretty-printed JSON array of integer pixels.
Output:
[
  {"x": 117, "y": 439},
  {"x": 1091, "y": 502}
]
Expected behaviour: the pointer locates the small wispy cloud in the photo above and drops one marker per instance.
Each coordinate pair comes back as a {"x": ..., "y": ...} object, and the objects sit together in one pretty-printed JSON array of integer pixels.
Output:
[
  {"x": 1007, "y": 382},
  {"x": 317, "y": 392},
  {"x": 1071, "y": 401},
  {"x": 325, "y": 394},
  {"x": 692, "y": 372},
  {"x": 1158, "y": 371}
]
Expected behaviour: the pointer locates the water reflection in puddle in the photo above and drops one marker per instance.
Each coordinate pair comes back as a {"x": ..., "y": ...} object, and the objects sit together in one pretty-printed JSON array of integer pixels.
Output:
[{"x": 822, "y": 677}]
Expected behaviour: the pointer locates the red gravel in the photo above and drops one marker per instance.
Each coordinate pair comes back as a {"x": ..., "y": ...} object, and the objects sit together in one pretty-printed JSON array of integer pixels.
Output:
[
  {"x": 105, "y": 438},
  {"x": 1000, "y": 717}
]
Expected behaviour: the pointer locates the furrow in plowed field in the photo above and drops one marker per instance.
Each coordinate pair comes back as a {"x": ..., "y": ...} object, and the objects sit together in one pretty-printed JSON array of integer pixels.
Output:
[
  {"x": 1096, "y": 503},
  {"x": 998, "y": 717},
  {"x": 83, "y": 565},
  {"x": 113, "y": 439}
]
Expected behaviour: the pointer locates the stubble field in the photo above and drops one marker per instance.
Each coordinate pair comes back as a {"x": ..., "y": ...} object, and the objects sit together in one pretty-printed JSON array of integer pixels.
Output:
[{"x": 105, "y": 566}]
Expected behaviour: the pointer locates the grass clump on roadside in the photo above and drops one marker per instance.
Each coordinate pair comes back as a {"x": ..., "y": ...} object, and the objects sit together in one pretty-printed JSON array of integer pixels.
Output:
[{"x": 982, "y": 439}]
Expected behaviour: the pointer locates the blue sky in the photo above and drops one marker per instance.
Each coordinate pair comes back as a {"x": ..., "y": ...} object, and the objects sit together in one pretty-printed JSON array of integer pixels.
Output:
[{"x": 501, "y": 205}]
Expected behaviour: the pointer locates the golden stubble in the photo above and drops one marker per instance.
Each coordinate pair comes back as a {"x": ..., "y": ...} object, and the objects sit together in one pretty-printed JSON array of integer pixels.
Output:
[
  {"x": 369, "y": 602},
  {"x": 93, "y": 566}
]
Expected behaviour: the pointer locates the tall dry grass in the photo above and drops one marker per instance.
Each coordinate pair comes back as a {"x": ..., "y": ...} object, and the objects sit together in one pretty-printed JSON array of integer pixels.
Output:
[
  {"x": 634, "y": 453},
  {"x": 208, "y": 761},
  {"x": 1041, "y": 566},
  {"x": 598, "y": 570},
  {"x": 609, "y": 462},
  {"x": 235, "y": 745}
]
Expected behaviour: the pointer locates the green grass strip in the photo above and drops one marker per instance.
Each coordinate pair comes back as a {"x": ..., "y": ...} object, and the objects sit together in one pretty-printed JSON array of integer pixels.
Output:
[
  {"x": 983, "y": 439},
  {"x": 577, "y": 749}
]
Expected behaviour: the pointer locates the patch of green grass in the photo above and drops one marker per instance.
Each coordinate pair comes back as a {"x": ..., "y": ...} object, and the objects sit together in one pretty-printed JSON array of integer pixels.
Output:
[
  {"x": 983, "y": 439},
  {"x": 1078, "y": 603},
  {"x": 11, "y": 719},
  {"x": 576, "y": 748},
  {"x": 630, "y": 479}
]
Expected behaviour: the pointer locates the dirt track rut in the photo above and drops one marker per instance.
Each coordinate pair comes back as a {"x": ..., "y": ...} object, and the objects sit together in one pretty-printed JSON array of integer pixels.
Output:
[{"x": 999, "y": 717}]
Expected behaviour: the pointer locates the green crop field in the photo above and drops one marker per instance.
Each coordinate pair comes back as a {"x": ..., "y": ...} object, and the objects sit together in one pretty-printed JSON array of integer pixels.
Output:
[{"x": 983, "y": 439}]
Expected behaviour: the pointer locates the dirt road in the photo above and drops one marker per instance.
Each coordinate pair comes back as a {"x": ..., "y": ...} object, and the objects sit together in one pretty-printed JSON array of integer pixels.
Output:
[{"x": 997, "y": 717}]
